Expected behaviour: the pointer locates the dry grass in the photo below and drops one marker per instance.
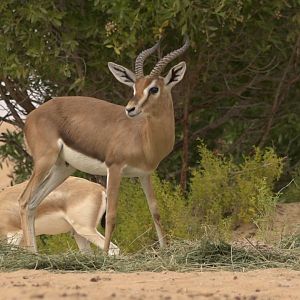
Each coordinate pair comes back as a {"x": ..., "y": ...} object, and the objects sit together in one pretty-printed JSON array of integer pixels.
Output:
[{"x": 178, "y": 256}]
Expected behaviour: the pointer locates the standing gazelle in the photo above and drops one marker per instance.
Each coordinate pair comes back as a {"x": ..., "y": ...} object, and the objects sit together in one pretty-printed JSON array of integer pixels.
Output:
[{"x": 103, "y": 138}]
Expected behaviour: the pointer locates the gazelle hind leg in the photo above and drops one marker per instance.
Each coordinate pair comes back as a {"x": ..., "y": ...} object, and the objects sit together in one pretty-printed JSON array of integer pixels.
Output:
[
  {"x": 42, "y": 182},
  {"x": 40, "y": 171},
  {"x": 152, "y": 203}
]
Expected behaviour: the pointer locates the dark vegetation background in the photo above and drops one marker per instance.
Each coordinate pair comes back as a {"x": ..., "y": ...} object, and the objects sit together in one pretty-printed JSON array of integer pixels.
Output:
[{"x": 241, "y": 89}]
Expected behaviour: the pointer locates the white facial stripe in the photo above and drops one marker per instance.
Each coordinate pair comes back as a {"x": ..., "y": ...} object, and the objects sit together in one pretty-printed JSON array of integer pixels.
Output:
[
  {"x": 146, "y": 93},
  {"x": 134, "y": 90}
]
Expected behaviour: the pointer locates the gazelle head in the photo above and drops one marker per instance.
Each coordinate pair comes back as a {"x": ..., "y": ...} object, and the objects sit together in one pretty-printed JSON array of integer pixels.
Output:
[{"x": 151, "y": 90}]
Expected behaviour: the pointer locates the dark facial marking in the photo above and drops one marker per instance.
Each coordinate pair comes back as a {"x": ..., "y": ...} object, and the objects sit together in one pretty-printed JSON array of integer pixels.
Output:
[
  {"x": 174, "y": 75},
  {"x": 124, "y": 74}
]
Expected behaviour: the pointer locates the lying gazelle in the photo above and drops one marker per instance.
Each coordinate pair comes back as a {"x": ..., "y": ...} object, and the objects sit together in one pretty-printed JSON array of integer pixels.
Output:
[
  {"x": 103, "y": 138},
  {"x": 76, "y": 206}
]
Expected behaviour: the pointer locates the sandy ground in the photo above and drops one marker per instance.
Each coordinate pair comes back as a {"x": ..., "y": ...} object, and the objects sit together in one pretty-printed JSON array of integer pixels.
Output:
[
  {"x": 263, "y": 284},
  {"x": 285, "y": 222}
]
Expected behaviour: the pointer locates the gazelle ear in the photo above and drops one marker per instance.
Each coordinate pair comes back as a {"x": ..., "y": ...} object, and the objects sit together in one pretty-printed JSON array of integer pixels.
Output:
[
  {"x": 122, "y": 74},
  {"x": 175, "y": 74}
]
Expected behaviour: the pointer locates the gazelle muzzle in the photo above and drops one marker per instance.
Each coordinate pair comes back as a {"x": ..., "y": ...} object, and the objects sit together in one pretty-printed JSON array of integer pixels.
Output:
[{"x": 132, "y": 110}]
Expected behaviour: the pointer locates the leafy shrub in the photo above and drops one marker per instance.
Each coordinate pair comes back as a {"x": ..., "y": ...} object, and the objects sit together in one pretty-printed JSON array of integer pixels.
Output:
[
  {"x": 135, "y": 228},
  {"x": 172, "y": 206},
  {"x": 224, "y": 194},
  {"x": 292, "y": 191},
  {"x": 55, "y": 244},
  {"x": 13, "y": 149}
]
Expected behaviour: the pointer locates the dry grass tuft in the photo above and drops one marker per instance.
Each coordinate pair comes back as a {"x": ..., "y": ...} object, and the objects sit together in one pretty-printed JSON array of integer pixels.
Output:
[{"x": 178, "y": 256}]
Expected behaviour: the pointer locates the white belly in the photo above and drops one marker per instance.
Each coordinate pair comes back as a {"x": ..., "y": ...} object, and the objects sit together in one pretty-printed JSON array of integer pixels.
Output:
[
  {"x": 91, "y": 165},
  {"x": 82, "y": 162}
]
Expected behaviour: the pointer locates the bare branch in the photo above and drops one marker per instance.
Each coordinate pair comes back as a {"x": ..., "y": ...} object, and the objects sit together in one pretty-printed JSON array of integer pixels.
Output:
[
  {"x": 233, "y": 112},
  {"x": 21, "y": 97},
  {"x": 14, "y": 113},
  {"x": 10, "y": 106}
]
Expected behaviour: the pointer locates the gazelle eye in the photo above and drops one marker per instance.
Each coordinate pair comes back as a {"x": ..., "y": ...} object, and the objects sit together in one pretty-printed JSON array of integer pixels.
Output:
[{"x": 153, "y": 90}]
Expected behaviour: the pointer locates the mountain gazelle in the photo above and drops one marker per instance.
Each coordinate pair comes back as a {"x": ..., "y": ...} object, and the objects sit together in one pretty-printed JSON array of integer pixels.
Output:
[{"x": 102, "y": 138}]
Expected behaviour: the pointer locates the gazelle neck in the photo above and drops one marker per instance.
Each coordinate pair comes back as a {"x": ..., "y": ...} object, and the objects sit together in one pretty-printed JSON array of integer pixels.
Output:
[{"x": 160, "y": 131}]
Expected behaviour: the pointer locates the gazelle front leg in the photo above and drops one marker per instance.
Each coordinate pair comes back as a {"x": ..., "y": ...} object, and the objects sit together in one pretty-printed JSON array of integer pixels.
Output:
[
  {"x": 112, "y": 191},
  {"x": 152, "y": 203}
]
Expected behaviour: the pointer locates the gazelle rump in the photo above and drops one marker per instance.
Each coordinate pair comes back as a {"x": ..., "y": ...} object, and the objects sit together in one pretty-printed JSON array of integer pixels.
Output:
[
  {"x": 76, "y": 206},
  {"x": 102, "y": 138}
]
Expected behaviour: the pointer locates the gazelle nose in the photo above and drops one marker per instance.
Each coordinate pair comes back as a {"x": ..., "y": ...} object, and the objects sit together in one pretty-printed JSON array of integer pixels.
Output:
[{"x": 130, "y": 109}]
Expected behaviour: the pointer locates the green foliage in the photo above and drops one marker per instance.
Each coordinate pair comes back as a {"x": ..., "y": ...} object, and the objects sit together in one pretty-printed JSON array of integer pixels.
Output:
[
  {"x": 225, "y": 194},
  {"x": 52, "y": 48},
  {"x": 135, "y": 228},
  {"x": 12, "y": 149},
  {"x": 172, "y": 207},
  {"x": 292, "y": 192},
  {"x": 56, "y": 244}
]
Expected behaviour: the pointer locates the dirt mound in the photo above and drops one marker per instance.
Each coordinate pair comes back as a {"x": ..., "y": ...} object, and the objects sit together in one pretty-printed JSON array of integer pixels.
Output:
[
  {"x": 287, "y": 218},
  {"x": 285, "y": 222}
]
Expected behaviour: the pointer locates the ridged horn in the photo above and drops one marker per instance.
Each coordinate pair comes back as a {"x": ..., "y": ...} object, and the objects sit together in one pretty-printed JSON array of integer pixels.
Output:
[
  {"x": 159, "y": 67},
  {"x": 139, "y": 62}
]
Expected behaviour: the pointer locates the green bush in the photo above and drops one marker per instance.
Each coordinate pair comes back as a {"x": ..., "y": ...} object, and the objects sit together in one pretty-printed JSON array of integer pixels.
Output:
[
  {"x": 55, "y": 244},
  {"x": 172, "y": 206},
  {"x": 224, "y": 194},
  {"x": 135, "y": 228},
  {"x": 13, "y": 149},
  {"x": 292, "y": 191}
]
